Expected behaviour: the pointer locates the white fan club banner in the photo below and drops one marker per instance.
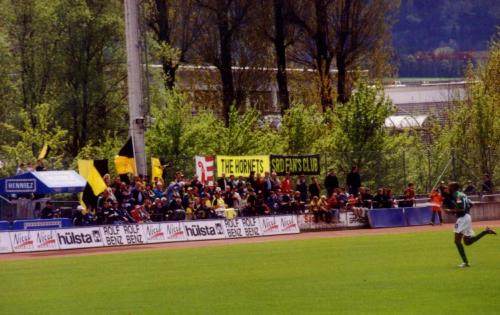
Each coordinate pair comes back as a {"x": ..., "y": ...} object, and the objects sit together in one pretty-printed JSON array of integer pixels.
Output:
[
  {"x": 116, "y": 235},
  {"x": 163, "y": 232},
  {"x": 31, "y": 241},
  {"x": 205, "y": 169},
  {"x": 204, "y": 230},
  {"x": 5, "y": 244},
  {"x": 80, "y": 238}
]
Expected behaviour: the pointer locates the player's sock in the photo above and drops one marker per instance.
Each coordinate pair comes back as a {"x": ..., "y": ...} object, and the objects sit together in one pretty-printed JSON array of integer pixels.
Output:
[
  {"x": 471, "y": 240},
  {"x": 461, "y": 251}
]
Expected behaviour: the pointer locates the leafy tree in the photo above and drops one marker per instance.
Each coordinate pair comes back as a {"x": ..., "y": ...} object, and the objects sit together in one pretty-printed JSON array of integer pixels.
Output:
[
  {"x": 360, "y": 137},
  {"x": 33, "y": 40},
  {"x": 91, "y": 91},
  {"x": 243, "y": 134},
  {"x": 472, "y": 135},
  {"x": 301, "y": 127},
  {"x": 175, "y": 131},
  {"x": 25, "y": 141}
]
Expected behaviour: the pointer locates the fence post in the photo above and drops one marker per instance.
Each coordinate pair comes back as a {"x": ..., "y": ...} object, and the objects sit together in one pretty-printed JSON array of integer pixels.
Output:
[{"x": 404, "y": 170}]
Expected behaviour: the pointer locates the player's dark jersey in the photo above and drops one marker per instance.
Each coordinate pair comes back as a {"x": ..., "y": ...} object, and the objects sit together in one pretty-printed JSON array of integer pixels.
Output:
[{"x": 461, "y": 202}]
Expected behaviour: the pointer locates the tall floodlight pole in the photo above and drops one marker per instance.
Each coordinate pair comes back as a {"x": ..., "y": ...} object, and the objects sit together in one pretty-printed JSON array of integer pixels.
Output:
[{"x": 134, "y": 80}]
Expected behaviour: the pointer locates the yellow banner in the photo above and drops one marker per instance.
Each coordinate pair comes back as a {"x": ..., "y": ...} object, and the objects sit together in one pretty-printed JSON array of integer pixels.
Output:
[
  {"x": 125, "y": 165},
  {"x": 89, "y": 172},
  {"x": 156, "y": 169},
  {"x": 242, "y": 165}
]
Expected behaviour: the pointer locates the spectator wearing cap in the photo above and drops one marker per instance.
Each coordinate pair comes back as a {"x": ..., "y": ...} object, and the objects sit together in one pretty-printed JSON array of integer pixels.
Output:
[
  {"x": 157, "y": 213},
  {"x": 188, "y": 196},
  {"x": 109, "y": 213}
]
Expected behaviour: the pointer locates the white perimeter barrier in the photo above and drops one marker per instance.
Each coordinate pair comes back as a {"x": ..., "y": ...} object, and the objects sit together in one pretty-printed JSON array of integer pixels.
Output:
[{"x": 133, "y": 234}]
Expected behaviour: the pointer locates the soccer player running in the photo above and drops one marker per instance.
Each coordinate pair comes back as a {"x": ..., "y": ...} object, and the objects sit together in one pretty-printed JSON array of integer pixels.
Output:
[{"x": 463, "y": 226}]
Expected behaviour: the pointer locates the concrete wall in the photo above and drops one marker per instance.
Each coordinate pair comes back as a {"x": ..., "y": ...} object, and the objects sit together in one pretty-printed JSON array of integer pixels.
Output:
[{"x": 480, "y": 212}]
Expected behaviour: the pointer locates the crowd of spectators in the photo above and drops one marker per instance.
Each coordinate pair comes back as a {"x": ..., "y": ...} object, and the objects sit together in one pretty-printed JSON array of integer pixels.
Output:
[{"x": 144, "y": 200}]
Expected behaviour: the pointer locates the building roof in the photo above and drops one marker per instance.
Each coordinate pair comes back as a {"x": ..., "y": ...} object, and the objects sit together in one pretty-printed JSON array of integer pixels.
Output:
[{"x": 405, "y": 121}]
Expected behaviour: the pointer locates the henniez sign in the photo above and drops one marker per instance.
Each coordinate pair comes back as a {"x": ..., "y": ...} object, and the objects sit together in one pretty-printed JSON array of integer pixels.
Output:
[
  {"x": 17, "y": 186},
  {"x": 134, "y": 234}
]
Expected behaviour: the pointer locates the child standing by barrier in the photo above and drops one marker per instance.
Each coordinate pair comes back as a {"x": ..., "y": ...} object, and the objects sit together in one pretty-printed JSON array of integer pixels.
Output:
[{"x": 437, "y": 202}]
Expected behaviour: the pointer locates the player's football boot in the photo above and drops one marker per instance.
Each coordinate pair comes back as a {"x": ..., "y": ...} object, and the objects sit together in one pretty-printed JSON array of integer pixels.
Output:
[
  {"x": 490, "y": 231},
  {"x": 463, "y": 265}
]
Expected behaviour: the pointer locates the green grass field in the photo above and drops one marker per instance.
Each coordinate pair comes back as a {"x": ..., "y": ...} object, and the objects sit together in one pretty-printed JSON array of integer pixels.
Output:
[{"x": 412, "y": 273}]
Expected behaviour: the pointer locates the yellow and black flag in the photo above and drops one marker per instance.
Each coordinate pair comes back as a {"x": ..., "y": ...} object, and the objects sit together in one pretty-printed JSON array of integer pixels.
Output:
[
  {"x": 125, "y": 161},
  {"x": 44, "y": 152},
  {"x": 92, "y": 171}
]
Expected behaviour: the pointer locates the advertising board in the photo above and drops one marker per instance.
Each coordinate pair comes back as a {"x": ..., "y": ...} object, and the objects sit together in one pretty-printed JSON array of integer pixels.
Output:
[
  {"x": 288, "y": 224},
  {"x": 204, "y": 230},
  {"x": 163, "y": 232},
  {"x": 79, "y": 238},
  {"x": 31, "y": 241},
  {"x": 117, "y": 235},
  {"x": 5, "y": 245},
  {"x": 269, "y": 225}
]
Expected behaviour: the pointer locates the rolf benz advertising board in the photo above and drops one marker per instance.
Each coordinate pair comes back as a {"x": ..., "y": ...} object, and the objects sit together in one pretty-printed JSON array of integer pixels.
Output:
[{"x": 134, "y": 234}]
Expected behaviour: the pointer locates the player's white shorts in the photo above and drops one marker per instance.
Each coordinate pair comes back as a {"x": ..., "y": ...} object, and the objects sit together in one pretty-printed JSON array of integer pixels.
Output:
[{"x": 464, "y": 225}]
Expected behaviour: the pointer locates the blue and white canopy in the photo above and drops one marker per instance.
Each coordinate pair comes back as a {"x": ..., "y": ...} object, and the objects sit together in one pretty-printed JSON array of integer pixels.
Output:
[{"x": 46, "y": 182}]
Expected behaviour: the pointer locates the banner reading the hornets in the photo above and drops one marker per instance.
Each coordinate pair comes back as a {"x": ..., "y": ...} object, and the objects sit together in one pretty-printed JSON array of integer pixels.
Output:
[
  {"x": 295, "y": 164},
  {"x": 242, "y": 165}
]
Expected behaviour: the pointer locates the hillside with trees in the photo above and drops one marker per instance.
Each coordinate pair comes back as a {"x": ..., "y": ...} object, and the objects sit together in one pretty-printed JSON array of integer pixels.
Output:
[{"x": 439, "y": 37}]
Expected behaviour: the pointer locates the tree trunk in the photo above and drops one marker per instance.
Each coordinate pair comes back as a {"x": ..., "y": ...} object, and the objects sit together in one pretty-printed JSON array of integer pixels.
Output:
[
  {"x": 323, "y": 57},
  {"x": 343, "y": 95},
  {"x": 279, "y": 46},
  {"x": 226, "y": 59},
  {"x": 341, "y": 55},
  {"x": 169, "y": 68}
]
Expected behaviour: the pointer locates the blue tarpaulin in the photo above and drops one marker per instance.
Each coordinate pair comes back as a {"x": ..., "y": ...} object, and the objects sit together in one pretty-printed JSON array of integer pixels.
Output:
[
  {"x": 394, "y": 217},
  {"x": 46, "y": 182}
]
